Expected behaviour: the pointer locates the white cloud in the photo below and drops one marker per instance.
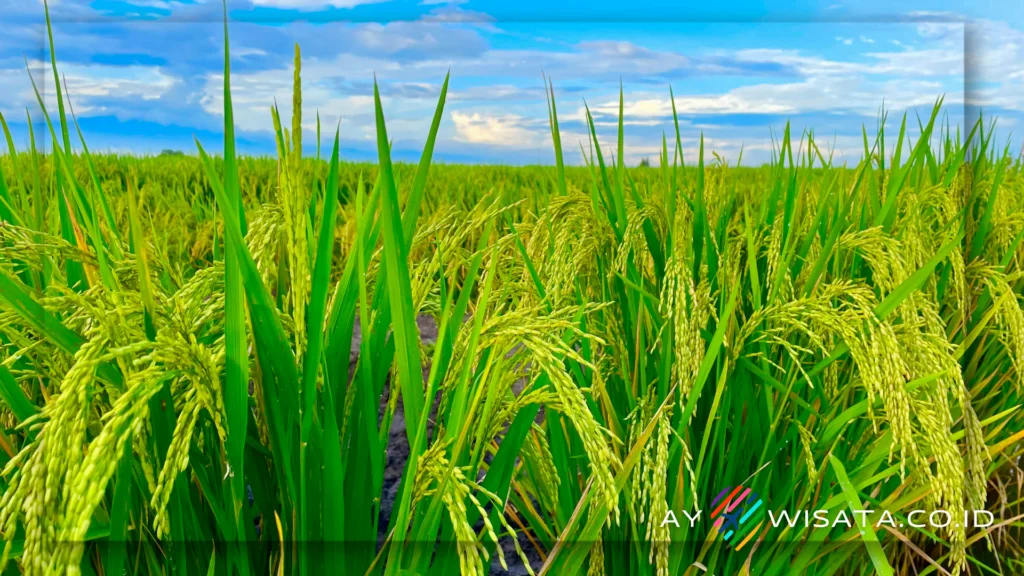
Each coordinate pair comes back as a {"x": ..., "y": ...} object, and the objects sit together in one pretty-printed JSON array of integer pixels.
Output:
[
  {"x": 607, "y": 60},
  {"x": 312, "y": 4},
  {"x": 804, "y": 65},
  {"x": 416, "y": 83},
  {"x": 448, "y": 33},
  {"x": 90, "y": 86},
  {"x": 496, "y": 95},
  {"x": 452, "y": 14},
  {"x": 496, "y": 92},
  {"x": 938, "y": 30},
  {"x": 253, "y": 94},
  {"x": 507, "y": 130},
  {"x": 995, "y": 51},
  {"x": 816, "y": 94},
  {"x": 159, "y": 4},
  {"x": 389, "y": 38},
  {"x": 928, "y": 62},
  {"x": 941, "y": 61},
  {"x": 506, "y": 109},
  {"x": 247, "y": 52}
]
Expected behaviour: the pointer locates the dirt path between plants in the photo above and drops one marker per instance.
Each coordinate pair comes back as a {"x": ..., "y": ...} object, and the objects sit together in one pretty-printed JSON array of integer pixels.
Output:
[{"x": 398, "y": 454}]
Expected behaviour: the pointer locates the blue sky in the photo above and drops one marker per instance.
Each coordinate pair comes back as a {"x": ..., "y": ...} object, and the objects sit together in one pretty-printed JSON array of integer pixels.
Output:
[{"x": 145, "y": 75}]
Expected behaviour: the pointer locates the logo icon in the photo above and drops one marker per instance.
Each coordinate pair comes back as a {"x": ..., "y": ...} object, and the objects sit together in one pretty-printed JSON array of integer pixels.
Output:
[{"x": 734, "y": 512}]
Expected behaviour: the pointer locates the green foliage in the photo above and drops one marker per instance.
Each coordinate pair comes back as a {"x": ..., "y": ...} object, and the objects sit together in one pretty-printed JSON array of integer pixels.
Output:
[{"x": 218, "y": 364}]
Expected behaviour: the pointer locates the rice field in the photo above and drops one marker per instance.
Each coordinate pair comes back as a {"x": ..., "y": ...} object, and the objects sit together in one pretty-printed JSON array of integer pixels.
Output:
[{"x": 216, "y": 364}]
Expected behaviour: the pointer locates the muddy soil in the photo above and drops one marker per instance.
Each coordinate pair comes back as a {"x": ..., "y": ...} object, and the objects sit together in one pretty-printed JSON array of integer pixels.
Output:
[{"x": 398, "y": 454}]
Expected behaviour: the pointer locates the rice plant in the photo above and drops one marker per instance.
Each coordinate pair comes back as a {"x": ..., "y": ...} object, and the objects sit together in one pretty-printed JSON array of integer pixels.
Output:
[{"x": 219, "y": 364}]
